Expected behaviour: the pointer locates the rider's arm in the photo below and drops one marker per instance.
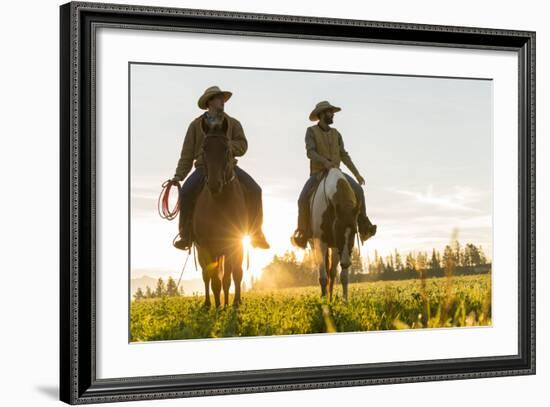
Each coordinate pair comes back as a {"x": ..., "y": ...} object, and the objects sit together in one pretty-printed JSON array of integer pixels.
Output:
[
  {"x": 187, "y": 155},
  {"x": 239, "y": 144},
  {"x": 311, "y": 148},
  {"x": 346, "y": 159}
]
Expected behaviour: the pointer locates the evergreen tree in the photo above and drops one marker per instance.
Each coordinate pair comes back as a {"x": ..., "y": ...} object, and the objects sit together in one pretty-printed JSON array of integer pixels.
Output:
[
  {"x": 356, "y": 265},
  {"x": 449, "y": 259},
  {"x": 421, "y": 261},
  {"x": 471, "y": 255},
  {"x": 139, "y": 294},
  {"x": 171, "y": 288},
  {"x": 381, "y": 267},
  {"x": 410, "y": 262},
  {"x": 434, "y": 263},
  {"x": 161, "y": 289},
  {"x": 457, "y": 253},
  {"x": 389, "y": 264},
  {"x": 398, "y": 263},
  {"x": 148, "y": 292},
  {"x": 482, "y": 257}
]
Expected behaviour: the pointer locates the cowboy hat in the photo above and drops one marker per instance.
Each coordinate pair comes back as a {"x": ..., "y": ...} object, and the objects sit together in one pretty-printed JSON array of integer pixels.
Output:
[
  {"x": 319, "y": 107},
  {"x": 210, "y": 92}
]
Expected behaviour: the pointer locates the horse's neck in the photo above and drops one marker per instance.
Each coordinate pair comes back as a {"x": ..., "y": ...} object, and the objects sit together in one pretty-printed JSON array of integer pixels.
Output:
[
  {"x": 322, "y": 196},
  {"x": 231, "y": 189},
  {"x": 331, "y": 183},
  {"x": 337, "y": 190}
]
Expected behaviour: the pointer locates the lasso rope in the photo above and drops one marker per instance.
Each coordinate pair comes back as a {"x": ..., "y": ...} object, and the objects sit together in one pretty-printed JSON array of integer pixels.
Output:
[{"x": 163, "y": 201}]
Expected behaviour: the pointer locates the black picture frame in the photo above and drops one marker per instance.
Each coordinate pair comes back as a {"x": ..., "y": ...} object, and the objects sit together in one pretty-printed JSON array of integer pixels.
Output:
[{"x": 78, "y": 382}]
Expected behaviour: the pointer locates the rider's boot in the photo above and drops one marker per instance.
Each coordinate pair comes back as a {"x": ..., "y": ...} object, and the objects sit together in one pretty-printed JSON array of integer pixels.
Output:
[
  {"x": 185, "y": 240},
  {"x": 259, "y": 241},
  {"x": 257, "y": 238},
  {"x": 366, "y": 228},
  {"x": 302, "y": 234}
]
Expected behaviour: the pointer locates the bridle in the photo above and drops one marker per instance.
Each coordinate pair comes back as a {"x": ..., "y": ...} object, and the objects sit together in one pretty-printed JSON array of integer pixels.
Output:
[{"x": 225, "y": 179}]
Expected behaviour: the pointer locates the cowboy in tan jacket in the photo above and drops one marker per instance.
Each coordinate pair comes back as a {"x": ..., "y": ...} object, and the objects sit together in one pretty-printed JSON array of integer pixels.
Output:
[
  {"x": 213, "y": 100},
  {"x": 325, "y": 149}
]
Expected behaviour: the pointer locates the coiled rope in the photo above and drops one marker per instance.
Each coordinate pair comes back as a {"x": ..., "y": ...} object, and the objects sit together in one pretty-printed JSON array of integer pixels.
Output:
[{"x": 164, "y": 197}]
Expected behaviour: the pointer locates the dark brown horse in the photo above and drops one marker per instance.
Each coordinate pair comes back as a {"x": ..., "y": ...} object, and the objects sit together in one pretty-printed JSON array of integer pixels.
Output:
[{"x": 220, "y": 219}]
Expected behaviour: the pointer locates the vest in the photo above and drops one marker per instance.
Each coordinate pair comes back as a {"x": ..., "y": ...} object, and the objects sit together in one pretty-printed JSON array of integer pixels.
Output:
[{"x": 327, "y": 146}]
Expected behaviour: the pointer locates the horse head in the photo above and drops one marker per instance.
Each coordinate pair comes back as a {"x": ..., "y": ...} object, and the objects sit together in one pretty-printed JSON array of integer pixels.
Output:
[
  {"x": 346, "y": 211},
  {"x": 217, "y": 158}
]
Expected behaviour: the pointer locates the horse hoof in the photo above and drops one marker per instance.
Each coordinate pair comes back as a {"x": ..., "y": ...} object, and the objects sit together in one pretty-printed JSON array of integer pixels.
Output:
[{"x": 206, "y": 306}]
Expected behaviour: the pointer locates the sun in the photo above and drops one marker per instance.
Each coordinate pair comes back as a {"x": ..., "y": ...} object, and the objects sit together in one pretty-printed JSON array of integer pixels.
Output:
[{"x": 246, "y": 242}]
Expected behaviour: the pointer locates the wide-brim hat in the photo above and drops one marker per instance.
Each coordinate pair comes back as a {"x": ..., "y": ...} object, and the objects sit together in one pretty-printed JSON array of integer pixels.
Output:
[
  {"x": 211, "y": 92},
  {"x": 321, "y": 106}
]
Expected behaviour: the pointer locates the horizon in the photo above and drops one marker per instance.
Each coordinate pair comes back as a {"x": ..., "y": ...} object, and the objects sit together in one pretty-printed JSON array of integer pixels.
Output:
[{"x": 365, "y": 261}]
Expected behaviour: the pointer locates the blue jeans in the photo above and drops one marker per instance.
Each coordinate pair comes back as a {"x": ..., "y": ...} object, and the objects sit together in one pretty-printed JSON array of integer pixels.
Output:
[{"x": 193, "y": 185}]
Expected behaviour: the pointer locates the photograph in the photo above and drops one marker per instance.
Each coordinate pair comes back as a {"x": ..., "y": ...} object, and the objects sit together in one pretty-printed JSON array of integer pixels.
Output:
[{"x": 288, "y": 202}]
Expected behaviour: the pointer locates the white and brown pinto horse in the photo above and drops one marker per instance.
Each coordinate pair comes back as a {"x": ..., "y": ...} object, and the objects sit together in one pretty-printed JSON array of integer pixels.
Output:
[{"x": 334, "y": 211}]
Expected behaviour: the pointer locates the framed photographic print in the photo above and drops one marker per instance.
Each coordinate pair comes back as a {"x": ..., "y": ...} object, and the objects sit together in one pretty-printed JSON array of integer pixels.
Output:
[{"x": 254, "y": 202}]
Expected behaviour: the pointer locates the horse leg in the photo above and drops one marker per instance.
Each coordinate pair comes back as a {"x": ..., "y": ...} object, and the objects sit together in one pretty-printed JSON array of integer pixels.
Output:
[
  {"x": 205, "y": 278},
  {"x": 237, "y": 272},
  {"x": 226, "y": 282},
  {"x": 323, "y": 270},
  {"x": 344, "y": 279},
  {"x": 216, "y": 281},
  {"x": 333, "y": 265},
  {"x": 319, "y": 254}
]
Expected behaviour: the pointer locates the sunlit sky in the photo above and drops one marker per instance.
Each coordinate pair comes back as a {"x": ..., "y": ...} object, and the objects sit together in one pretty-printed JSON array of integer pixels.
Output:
[{"x": 423, "y": 145}]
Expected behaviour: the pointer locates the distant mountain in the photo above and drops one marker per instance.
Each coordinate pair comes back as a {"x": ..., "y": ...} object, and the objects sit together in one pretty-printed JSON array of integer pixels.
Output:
[{"x": 189, "y": 286}]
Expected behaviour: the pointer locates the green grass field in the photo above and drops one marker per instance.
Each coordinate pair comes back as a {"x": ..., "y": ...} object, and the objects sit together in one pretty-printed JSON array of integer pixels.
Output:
[{"x": 383, "y": 305}]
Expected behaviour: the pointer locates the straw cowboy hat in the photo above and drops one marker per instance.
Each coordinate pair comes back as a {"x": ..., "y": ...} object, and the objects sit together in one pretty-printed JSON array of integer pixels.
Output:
[
  {"x": 319, "y": 107},
  {"x": 210, "y": 92}
]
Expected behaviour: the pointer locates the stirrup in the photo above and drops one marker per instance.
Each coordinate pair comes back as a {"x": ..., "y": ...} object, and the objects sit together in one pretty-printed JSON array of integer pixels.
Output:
[{"x": 182, "y": 243}]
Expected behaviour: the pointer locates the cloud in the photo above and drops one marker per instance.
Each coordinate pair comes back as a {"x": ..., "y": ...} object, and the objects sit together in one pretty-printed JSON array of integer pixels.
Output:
[{"x": 461, "y": 198}]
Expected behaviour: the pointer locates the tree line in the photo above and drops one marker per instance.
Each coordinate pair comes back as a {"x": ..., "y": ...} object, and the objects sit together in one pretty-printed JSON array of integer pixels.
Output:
[
  {"x": 168, "y": 289},
  {"x": 287, "y": 271}
]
